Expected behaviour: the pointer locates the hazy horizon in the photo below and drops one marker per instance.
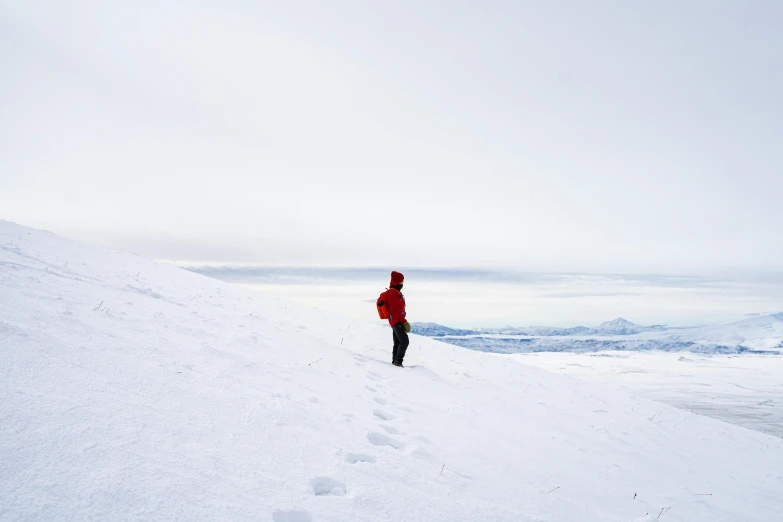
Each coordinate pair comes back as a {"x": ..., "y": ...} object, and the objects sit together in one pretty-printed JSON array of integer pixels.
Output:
[
  {"x": 467, "y": 297},
  {"x": 493, "y": 298}
]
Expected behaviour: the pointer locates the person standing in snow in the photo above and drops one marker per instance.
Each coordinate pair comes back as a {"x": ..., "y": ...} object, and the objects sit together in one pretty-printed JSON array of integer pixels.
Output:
[{"x": 399, "y": 323}]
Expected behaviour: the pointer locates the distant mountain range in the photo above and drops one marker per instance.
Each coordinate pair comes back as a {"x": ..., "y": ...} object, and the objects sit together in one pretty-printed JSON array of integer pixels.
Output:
[
  {"x": 617, "y": 326},
  {"x": 757, "y": 334}
]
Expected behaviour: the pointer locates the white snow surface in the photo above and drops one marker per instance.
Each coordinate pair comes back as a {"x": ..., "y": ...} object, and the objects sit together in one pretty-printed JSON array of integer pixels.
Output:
[
  {"x": 132, "y": 390},
  {"x": 746, "y": 389}
]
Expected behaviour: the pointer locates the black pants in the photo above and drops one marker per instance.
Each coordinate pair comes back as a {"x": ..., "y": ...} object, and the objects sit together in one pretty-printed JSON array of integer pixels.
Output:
[{"x": 400, "y": 342}]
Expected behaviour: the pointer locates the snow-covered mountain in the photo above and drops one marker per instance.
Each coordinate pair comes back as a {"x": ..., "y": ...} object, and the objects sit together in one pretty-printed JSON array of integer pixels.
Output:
[
  {"x": 759, "y": 332},
  {"x": 131, "y": 390},
  {"x": 622, "y": 326},
  {"x": 762, "y": 333}
]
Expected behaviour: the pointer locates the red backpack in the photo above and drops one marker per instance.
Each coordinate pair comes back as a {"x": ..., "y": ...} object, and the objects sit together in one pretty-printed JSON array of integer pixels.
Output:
[{"x": 383, "y": 305}]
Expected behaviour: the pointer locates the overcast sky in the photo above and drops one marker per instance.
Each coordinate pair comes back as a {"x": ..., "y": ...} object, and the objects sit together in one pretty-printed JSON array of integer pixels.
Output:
[{"x": 557, "y": 135}]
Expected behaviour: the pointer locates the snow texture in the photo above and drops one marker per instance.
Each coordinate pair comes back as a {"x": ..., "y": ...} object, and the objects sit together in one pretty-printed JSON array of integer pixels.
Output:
[
  {"x": 746, "y": 389},
  {"x": 131, "y": 390}
]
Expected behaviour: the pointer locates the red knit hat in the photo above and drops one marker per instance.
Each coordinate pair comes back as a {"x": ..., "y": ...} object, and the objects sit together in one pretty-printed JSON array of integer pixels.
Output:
[{"x": 396, "y": 278}]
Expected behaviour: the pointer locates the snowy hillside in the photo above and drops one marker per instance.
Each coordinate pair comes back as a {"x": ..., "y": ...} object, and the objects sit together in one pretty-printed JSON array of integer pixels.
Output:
[
  {"x": 758, "y": 334},
  {"x": 132, "y": 390}
]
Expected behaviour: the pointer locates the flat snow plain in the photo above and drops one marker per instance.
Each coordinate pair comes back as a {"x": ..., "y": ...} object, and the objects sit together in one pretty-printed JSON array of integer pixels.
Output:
[
  {"x": 131, "y": 390},
  {"x": 745, "y": 389}
]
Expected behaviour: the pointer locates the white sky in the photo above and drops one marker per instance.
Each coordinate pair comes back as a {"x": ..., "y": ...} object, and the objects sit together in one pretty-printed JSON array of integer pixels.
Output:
[{"x": 561, "y": 135}]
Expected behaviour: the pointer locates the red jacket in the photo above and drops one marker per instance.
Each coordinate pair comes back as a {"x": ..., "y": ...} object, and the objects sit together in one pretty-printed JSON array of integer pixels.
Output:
[{"x": 396, "y": 306}]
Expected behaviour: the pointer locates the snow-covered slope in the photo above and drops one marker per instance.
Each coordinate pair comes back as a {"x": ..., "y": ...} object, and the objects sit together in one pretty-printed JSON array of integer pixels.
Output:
[
  {"x": 131, "y": 390},
  {"x": 761, "y": 332}
]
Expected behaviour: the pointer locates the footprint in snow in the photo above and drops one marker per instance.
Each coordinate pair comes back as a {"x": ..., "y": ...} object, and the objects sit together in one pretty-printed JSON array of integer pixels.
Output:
[
  {"x": 374, "y": 376},
  {"x": 354, "y": 458},
  {"x": 391, "y": 430},
  {"x": 291, "y": 516},
  {"x": 421, "y": 453},
  {"x": 379, "y": 439},
  {"x": 327, "y": 486},
  {"x": 380, "y": 414},
  {"x": 381, "y": 401}
]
